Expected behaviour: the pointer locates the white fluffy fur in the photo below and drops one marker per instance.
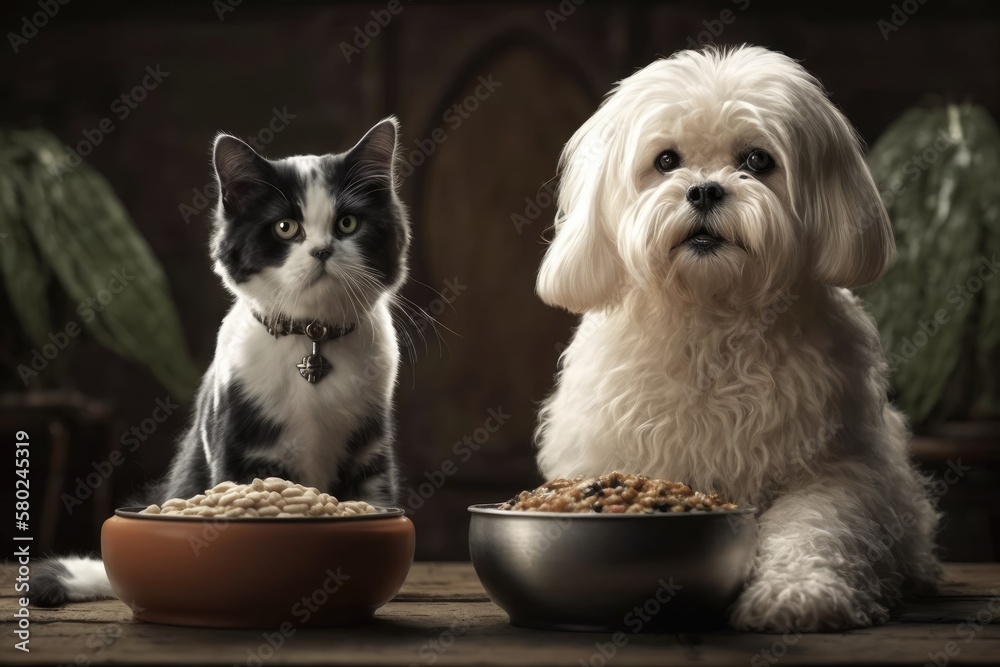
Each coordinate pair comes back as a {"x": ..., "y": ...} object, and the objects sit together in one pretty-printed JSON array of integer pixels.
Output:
[
  {"x": 87, "y": 579},
  {"x": 751, "y": 371}
]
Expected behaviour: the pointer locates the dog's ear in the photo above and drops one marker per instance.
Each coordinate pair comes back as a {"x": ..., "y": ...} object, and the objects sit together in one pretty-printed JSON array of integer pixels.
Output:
[
  {"x": 836, "y": 195},
  {"x": 581, "y": 270}
]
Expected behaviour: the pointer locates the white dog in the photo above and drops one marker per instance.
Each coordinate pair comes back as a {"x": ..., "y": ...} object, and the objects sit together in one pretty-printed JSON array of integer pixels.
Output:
[{"x": 711, "y": 214}]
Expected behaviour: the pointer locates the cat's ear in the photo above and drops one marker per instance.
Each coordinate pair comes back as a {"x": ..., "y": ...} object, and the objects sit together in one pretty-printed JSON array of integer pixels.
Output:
[
  {"x": 240, "y": 171},
  {"x": 375, "y": 154}
]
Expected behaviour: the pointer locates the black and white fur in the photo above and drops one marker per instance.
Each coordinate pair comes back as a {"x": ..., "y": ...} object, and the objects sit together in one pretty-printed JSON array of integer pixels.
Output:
[{"x": 255, "y": 416}]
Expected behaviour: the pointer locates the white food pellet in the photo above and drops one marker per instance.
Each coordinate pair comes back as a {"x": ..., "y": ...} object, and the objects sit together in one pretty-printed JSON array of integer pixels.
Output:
[{"x": 271, "y": 497}]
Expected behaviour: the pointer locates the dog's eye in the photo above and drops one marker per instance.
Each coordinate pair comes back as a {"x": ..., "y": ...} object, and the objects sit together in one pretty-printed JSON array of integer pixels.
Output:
[
  {"x": 759, "y": 161},
  {"x": 667, "y": 161},
  {"x": 286, "y": 229}
]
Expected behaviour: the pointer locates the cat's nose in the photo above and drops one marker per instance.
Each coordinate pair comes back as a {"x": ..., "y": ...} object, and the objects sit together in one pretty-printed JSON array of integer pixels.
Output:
[{"x": 322, "y": 253}]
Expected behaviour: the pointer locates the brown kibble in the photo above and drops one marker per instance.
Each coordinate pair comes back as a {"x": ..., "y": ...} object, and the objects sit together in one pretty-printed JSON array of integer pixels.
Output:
[{"x": 616, "y": 493}]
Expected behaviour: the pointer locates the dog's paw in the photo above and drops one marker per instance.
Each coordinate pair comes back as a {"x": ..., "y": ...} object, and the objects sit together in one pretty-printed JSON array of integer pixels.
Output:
[{"x": 814, "y": 604}]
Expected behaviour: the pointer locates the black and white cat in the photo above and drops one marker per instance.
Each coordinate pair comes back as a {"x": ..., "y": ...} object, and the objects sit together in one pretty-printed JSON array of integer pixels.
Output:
[{"x": 312, "y": 247}]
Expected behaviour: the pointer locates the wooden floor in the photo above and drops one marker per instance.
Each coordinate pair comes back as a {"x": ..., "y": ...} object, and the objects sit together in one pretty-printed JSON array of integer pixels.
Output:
[{"x": 443, "y": 617}]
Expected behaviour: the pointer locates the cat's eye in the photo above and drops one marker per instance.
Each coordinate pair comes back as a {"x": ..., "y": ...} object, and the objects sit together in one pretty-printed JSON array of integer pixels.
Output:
[
  {"x": 667, "y": 161},
  {"x": 286, "y": 229},
  {"x": 347, "y": 224},
  {"x": 759, "y": 161}
]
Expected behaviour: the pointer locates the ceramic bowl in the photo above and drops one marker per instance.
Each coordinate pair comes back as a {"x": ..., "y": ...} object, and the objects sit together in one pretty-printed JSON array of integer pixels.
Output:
[{"x": 257, "y": 573}]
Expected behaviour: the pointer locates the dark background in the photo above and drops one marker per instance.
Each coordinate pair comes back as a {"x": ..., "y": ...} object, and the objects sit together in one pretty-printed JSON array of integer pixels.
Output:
[{"x": 497, "y": 345}]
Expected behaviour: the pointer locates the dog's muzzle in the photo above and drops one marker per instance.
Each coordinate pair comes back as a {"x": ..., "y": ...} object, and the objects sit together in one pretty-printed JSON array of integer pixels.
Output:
[
  {"x": 703, "y": 239},
  {"x": 705, "y": 196}
]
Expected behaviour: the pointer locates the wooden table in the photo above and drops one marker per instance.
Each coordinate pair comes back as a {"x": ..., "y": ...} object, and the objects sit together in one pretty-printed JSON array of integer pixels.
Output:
[{"x": 443, "y": 617}]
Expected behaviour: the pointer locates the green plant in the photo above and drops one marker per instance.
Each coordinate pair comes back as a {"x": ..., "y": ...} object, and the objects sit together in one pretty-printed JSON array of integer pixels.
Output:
[
  {"x": 62, "y": 234},
  {"x": 938, "y": 308}
]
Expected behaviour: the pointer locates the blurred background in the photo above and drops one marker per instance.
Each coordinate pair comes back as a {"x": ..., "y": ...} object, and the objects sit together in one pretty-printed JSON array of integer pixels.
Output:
[{"x": 110, "y": 307}]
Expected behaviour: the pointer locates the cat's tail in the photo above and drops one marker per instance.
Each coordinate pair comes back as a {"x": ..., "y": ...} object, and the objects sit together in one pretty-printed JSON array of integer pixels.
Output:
[{"x": 56, "y": 581}]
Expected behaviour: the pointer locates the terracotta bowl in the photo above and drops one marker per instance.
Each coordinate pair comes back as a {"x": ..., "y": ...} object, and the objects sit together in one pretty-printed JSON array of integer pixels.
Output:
[{"x": 257, "y": 573}]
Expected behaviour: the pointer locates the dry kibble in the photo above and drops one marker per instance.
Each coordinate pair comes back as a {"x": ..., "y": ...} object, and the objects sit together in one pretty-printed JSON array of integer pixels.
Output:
[
  {"x": 616, "y": 493},
  {"x": 271, "y": 497}
]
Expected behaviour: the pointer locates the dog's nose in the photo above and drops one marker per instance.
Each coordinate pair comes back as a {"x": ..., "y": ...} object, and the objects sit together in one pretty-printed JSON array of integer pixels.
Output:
[
  {"x": 705, "y": 196},
  {"x": 323, "y": 253}
]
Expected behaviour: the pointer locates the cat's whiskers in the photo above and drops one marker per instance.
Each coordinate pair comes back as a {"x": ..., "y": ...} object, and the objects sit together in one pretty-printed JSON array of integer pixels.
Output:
[
  {"x": 363, "y": 274},
  {"x": 408, "y": 308},
  {"x": 271, "y": 308},
  {"x": 349, "y": 290},
  {"x": 357, "y": 288}
]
